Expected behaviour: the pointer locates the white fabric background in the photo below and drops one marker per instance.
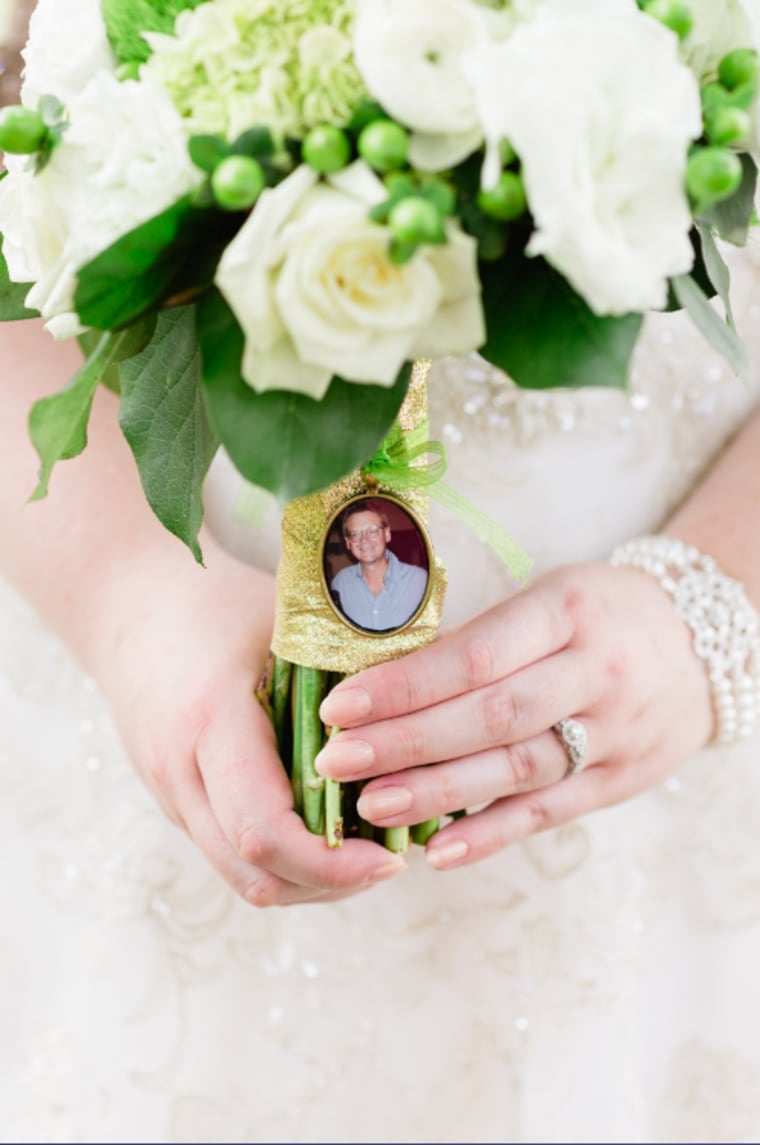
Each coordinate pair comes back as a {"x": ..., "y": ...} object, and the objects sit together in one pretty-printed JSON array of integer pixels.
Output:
[{"x": 595, "y": 984}]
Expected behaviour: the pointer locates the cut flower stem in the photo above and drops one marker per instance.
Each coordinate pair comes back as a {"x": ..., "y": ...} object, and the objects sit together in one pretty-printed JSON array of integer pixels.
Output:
[{"x": 292, "y": 694}]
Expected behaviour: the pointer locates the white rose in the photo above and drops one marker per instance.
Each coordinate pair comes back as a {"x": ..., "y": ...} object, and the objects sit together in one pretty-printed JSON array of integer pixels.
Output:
[
  {"x": 67, "y": 47},
  {"x": 603, "y": 153},
  {"x": 309, "y": 279},
  {"x": 123, "y": 159},
  {"x": 410, "y": 56}
]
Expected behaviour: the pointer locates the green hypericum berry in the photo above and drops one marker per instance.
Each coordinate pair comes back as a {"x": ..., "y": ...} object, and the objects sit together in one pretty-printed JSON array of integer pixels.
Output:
[
  {"x": 416, "y": 220},
  {"x": 712, "y": 174},
  {"x": 384, "y": 145},
  {"x": 506, "y": 201},
  {"x": 727, "y": 126},
  {"x": 22, "y": 131},
  {"x": 739, "y": 67},
  {"x": 237, "y": 182},
  {"x": 673, "y": 14},
  {"x": 326, "y": 149}
]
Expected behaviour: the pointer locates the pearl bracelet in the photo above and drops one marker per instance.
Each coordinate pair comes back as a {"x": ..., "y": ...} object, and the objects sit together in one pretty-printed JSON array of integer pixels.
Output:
[{"x": 724, "y": 624}]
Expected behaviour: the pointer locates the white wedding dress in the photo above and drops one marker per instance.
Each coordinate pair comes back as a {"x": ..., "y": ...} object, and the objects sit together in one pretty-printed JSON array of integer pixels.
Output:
[{"x": 597, "y": 983}]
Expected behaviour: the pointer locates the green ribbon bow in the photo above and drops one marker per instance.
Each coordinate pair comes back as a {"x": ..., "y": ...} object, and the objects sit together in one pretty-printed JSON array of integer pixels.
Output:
[{"x": 399, "y": 464}]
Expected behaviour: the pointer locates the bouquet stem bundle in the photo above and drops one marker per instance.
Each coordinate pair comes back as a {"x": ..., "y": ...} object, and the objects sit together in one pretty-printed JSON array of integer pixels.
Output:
[{"x": 292, "y": 694}]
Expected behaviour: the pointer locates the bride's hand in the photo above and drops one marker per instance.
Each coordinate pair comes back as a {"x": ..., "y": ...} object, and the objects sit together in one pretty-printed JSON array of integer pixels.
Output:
[
  {"x": 469, "y": 720},
  {"x": 180, "y": 671}
]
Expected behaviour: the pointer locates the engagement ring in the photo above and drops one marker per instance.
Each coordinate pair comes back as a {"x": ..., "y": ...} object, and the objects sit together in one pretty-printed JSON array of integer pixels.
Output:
[{"x": 572, "y": 736}]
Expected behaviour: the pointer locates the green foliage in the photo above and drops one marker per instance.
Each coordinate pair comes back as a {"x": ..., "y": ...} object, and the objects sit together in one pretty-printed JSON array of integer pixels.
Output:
[
  {"x": 135, "y": 338},
  {"x": 544, "y": 335},
  {"x": 717, "y": 332},
  {"x": 717, "y": 272},
  {"x": 53, "y": 115},
  {"x": 163, "y": 417},
  {"x": 58, "y": 424},
  {"x": 286, "y": 442},
  {"x": 732, "y": 218},
  {"x": 174, "y": 252},
  {"x": 12, "y": 294},
  {"x": 125, "y": 20}
]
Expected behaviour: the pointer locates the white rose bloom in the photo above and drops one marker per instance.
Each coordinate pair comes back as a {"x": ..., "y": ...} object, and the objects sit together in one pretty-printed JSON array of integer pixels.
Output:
[
  {"x": 410, "y": 56},
  {"x": 309, "y": 280},
  {"x": 123, "y": 159},
  {"x": 67, "y": 47},
  {"x": 603, "y": 153}
]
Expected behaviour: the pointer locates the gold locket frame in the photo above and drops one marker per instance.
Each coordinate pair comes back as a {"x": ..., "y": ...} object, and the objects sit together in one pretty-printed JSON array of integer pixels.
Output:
[{"x": 422, "y": 532}]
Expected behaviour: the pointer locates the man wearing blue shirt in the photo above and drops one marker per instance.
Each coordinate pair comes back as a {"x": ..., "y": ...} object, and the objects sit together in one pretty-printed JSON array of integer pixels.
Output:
[{"x": 380, "y": 592}]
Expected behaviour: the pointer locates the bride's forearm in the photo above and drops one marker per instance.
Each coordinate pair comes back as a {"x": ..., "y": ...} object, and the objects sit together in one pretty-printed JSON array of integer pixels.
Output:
[
  {"x": 722, "y": 515},
  {"x": 93, "y": 548}
]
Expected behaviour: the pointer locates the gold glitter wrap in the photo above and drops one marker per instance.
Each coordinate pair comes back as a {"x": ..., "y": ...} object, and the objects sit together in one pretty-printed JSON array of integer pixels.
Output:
[{"x": 307, "y": 630}]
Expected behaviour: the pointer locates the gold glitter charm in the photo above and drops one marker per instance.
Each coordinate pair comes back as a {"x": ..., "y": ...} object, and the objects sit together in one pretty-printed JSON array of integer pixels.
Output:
[{"x": 324, "y": 618}]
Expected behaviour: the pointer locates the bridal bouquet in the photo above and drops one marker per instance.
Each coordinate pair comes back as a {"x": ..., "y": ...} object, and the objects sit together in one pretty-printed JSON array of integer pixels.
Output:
[{"x": 258, "y": 215}]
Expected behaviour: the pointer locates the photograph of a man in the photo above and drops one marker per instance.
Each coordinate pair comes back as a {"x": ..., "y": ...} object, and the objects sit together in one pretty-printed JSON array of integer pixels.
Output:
[{"x": 379, "y": 592}]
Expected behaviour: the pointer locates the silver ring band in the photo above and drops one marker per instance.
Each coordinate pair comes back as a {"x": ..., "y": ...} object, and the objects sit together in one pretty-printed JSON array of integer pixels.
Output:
[{"x": 572, "y": 736}]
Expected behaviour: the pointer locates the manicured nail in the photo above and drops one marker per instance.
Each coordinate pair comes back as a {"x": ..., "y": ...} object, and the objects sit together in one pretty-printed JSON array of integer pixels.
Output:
[
  {"x": 446, "y": 854},
  {"x": 388, "y": 871},
  {"x": 345, "y": 706},
  {"x": 384, "y": 803},
  {"x": 343, "y": 758}
]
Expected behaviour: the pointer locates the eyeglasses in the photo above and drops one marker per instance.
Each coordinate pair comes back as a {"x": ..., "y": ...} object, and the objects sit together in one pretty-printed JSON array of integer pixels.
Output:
[{"x": 371, "y": 531}]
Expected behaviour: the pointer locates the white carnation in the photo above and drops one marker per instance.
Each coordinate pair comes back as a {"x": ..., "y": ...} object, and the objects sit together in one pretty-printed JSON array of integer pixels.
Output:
[
  {"x": 603, "y": 152},
  {"x": 309, "y": 279},
  {"x": 123, "y": 159},
  {"x": 67, "y": 47}
]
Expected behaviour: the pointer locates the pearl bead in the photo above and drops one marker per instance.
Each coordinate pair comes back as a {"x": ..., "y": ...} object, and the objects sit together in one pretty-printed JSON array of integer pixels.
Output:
[{"x": 723, "y": 622}]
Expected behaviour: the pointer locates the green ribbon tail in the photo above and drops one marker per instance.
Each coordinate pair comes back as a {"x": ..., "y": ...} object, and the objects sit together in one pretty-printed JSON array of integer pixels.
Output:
[
  {"x": 514, "y": 557},
  {"x": 398, "y": 464}
]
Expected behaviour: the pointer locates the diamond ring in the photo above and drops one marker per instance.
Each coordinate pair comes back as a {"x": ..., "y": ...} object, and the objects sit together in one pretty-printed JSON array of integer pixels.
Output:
[{"x": 572, "y": 736}]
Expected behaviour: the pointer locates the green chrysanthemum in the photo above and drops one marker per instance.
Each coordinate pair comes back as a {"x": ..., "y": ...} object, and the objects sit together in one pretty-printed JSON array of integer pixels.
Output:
[{"x": 236, "y": 64}]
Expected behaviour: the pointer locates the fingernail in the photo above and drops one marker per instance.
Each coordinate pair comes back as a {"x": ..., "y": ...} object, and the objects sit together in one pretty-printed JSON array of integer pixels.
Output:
[
  {"x": 341, "y": 758},
  {"x": 344, "y": 707},
  {"x": 388, "y": 871},
  {"x": 446, "y": 854},
  {"x": 385, "y": 802}
]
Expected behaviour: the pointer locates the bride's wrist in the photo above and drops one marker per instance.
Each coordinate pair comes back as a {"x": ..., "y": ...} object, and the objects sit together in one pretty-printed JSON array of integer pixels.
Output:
[
  {"x": 725, "y": 625},
  {"x": 162, "y": 595}
]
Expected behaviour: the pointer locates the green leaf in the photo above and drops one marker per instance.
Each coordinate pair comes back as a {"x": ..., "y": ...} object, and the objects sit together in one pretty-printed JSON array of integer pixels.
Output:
[
  {"x": 256, "y": 143},
  {"x": 286, "y": 442},
  {"x": 135, "y": 339},
  {"x": 732, "y": 218},
  {"x": 175, "y": 251},
  {"x": 717, "y": 332},
  {"x": 13, "y": 294},
  {"x": 544, "y": 335},
  {"x": 717, "y": 271},
  {"x": 698, "y": 272},
  {"x": 58, "y": 424},
  {"x": 125, "y": 20},
  {"x": 208, "y": 151},
  {"x": 163, "y": 417}
]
